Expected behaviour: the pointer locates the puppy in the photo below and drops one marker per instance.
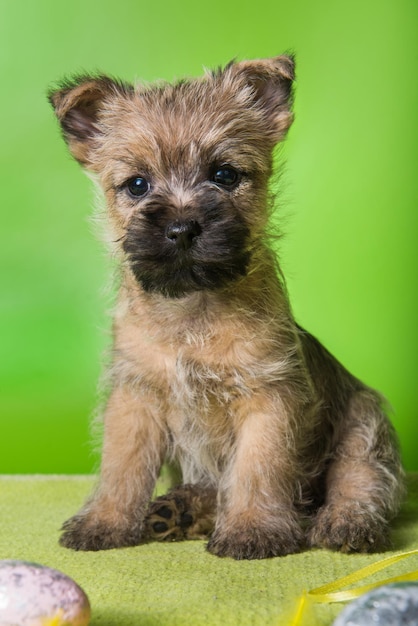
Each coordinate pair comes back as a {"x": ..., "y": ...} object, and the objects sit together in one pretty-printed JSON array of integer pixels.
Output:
[{"x": 279, "y": 446}]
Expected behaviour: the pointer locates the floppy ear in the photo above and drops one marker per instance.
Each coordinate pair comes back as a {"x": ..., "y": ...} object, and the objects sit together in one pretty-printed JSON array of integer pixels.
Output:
[
  {"x": 271, "y": 81},
  {"x": 77, "y": 104}
]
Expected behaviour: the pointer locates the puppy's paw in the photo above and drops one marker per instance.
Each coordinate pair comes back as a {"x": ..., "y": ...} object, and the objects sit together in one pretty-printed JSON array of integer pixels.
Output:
[
  {"x": 81, "y": 532},
  {"x": 349, "y": 527},
  {"x": 168, "y": 520},
  {"x": 186, "y": 512},
  {"x": 256, "y": 542}
]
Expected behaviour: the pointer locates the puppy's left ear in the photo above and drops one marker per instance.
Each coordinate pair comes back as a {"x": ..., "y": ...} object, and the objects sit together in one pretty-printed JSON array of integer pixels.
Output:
[{"x": 271, "y": 81}]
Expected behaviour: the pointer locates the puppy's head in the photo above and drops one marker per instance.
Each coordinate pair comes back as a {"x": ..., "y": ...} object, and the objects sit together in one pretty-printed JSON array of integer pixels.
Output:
[{"x": 184, "y": 167}]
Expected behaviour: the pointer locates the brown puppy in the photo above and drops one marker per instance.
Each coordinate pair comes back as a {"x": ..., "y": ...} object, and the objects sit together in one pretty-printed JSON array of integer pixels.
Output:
[{"x": 278, "y": 444}]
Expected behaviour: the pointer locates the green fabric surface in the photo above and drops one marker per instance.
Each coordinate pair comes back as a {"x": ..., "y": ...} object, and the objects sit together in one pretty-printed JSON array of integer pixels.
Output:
[{"x": 177, "y": 584}]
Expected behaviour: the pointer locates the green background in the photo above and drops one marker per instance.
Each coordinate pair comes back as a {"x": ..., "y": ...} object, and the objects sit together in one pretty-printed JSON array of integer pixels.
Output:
[{"x": 349, "y": 199}]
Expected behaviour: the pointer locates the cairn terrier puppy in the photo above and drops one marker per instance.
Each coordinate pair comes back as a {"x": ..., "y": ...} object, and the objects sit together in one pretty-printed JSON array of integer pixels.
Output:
[{"x": 279, "y": 446}]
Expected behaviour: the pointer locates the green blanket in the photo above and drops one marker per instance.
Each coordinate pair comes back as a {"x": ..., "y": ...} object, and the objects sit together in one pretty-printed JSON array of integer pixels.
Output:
[{"x": 177, "y": 584}]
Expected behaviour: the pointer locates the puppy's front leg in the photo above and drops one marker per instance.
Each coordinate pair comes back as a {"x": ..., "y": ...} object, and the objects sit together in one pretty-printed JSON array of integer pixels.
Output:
[
  {"x": 256, "y": 514},
  {"x": 133, "y": 450}
]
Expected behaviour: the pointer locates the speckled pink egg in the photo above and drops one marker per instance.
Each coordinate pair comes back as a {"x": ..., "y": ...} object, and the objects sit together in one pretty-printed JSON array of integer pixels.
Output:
[{"x": 35, "y": 595}]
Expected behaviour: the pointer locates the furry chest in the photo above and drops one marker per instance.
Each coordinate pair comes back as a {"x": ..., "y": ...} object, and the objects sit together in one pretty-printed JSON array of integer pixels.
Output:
[
  {"x": 202, "y": 418},
  {"x": 202, "y": 388}
]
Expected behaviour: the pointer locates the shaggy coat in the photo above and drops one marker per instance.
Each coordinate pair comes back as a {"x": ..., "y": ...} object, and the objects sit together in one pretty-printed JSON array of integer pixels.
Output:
[{"x": 278, "y": 445}]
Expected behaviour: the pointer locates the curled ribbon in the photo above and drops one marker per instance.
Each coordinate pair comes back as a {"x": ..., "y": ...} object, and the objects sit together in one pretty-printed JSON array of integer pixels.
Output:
[{"x": 332, "y": 592}]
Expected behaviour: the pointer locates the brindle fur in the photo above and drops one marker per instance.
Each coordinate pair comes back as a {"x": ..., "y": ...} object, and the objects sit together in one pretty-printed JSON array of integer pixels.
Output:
[{"x": 279, "y": 445}]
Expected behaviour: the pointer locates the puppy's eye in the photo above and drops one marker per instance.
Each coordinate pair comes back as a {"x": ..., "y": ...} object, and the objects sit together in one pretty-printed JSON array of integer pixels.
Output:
[
  {"x": 137, "y": 186},
  {"x": 226, "y": 176}
]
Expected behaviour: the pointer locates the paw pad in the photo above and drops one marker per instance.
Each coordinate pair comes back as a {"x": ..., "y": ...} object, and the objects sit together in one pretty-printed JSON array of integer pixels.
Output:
[{"x": 166, "y": 521}]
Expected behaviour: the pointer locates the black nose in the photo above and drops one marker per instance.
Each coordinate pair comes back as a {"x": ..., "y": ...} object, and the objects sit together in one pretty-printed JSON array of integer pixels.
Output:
[{"x": 183, "y": 233}]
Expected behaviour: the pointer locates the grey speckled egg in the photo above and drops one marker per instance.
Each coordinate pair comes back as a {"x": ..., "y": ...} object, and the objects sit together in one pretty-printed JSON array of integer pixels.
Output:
[
  {"x": 389, "y": 605},
  {"x": 35, "y": 595}
]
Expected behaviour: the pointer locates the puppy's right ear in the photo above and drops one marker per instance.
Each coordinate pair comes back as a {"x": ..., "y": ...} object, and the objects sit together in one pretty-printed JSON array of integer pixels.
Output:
[{"x": 78, "y": 104}]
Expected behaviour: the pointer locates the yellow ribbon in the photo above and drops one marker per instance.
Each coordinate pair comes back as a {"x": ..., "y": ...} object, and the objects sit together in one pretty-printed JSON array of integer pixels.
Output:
[{"x": 332, "y": 592}]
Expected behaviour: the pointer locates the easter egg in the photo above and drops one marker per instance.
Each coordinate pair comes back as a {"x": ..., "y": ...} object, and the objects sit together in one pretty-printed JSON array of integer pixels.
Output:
[
  {"x": 388, "y": 605},
  {"x": 35, "y": 595}
]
